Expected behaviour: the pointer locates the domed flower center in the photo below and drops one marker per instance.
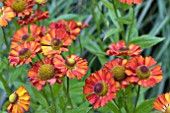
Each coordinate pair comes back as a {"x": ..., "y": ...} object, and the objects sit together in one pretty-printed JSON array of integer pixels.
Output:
[
  {"x": 124, "y": 48},
  {"x": 70, "y": 63},
  {"x": 101, "y": 88},
  {"x": 24, "y": 53},
  {"x": 119, "y": 73},
  {"x": 167, "y": 109},
  {"x": 19, "y": 6},
  {"x": 13, "y": 98},
  {"x": 68, "y": 28},
  {"x": 56, "y": 43},
  {"x": 143, "y": 72},
  {"x": 39, "y": 1},
  {"x": 27, "y": 37},
  {"x": 46, "y": 72}
]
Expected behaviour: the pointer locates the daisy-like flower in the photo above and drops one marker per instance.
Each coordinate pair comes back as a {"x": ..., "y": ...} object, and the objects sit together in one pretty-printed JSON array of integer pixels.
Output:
[
  {"x": 131, "y": 1},
  {"x": 19, "y": 101},
  {"x": 23, "y": 53},
  {"x": 73, "y": 66},
  {"x": 71, "y": 26},
  {"x": 43, "y": 72},
  {"x": 35, "y": 17},
  {"x": 144, "y": 70},
  {"x": 120, "y": 48},
  {"x": 55, "y": 42},
  {"x": 23, "y": 35},
  {"x": 162, "y": 103},
  {"x": 117, "y": 68},
  {"x": 21, "y": 7},
  {"x": 41, "y": 2},
  {"x": 101, "y": 88},
  {"x": 6, "y": 15}
]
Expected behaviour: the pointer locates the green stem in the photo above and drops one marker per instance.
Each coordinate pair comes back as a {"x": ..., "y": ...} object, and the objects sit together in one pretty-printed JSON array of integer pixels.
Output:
[
  {"x": 117, "y": 17},
  {"x": 5, "y": 39},
  {"x": 137, "y": 98},
  {"x": 117, "y": 105},
  {"x": 131, "y": 26},
  {"x": 68, "y": 86},
  {"x": 5, "y": 84},
  {"x": 80, "y": 46},
  {"x": 53, "y": 98},
  {"x": 68, "y": 93}
]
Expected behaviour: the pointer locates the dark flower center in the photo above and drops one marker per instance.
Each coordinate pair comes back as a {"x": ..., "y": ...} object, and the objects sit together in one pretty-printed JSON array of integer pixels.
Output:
[
  {"x": 143, "y": 72},
  {"x": 56, "y": 43},
  {"x": 101, "y": 88},
  {"x": 27, "y": 37},
  {"x": 46, "y": 72},
  {"x": 119, "y": 73},
  {"x": 70, "y": 62},
  {"x": 124, "y": 49},
  {"x": 24, "y": 53},
  {"x": 13, "y": 98},
  {"x": 18, "y": 6}
]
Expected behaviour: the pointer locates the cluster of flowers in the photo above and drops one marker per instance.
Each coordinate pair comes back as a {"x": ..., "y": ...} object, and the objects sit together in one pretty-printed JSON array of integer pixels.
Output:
[
  {"x": 117, "y": 74},
  {"x": 23, "y": 10},
  {"x": 29, "y": 41}
]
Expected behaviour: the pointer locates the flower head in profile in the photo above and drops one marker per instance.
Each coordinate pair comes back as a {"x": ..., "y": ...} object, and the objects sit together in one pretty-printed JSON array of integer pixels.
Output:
[
  {"x": 73, "y": 66},
  {"x": 6, "y": 15},
  {"x": 23, "y": 53},
  {"x": 144, "y": 70},
  {"x": 162, "y": 103},
  {"x": 120, "y": 48},
  {"x": 131, "y": 1},
  {"x": 43, "y": 72},
  {"x": 101, "y": 88},
  {"x": 55, "y": 42},
  {"x": 21, "y": 7},
  {"x": 41, "y": 2},
  {"x": 117, "y": 68},
  {"x": 34, "y": 17},
  {"x": 71, "y": 27},
  {"x": 19, "y": 101},
  {"x": 24, "y": 35}
]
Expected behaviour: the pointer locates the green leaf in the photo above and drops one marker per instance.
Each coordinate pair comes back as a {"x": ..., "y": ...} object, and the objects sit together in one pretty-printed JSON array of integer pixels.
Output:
[
  {"x": 113, "y": 107},
  {"x": 146, "y": 106},
  {"x": 111, "y": 32},
  {"x": 124, "y": 20},
  {"x": 108, "y": 5},
  {"x": 66, "y": 17},
  {"x": 146, "y": 41}
]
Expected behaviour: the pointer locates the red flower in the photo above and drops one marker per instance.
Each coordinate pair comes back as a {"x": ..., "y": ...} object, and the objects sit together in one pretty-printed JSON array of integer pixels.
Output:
[
  {"x": 162, "y": 103},
  {"x": 21, "y": 7},
  {"x": 144, "y": 71},
  {"x": 71, "y": 26},
  {"x": 131, "y": 1},
  {"x": 35, "y": 17},
  {"x": 55, "y": 42},
  {"x": 101, "y": 88},
  {"x": 6, "y": 15},
  {"x": 23, "y": 35},
  {"x": 43, "y": 72},
  {"x": 117, "y": 67},
  {"x": 120, "y": 48},
  {"x": 73, "y": 66},
  {"x": 23, "y": 53}
]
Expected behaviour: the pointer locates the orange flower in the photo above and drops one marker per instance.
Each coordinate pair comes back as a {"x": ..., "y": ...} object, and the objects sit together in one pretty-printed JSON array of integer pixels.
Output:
[
  {"x": 35, "y": 17},
  {"x": 120, "y": 48},
  {"x": 43, "y": 72},
  {"x": 101, "y": 88},
  {"x": 23, "y": 35},
  {"x": 55, "y": 42},
  {"x": 71, "y": 26},
  {"x": 41, "y": 2},
  {"x": 73, "y": 66},
  {"x": 6, "y": 14},
  {"x": 117, "y": 67},
  {"x": 144, "y": 70},
  {"x": 23, "y": 53},
  {"x": 20, "y": 7},
  {"x": 19, "y": 101},
  {"x": 131, "y": 1},
  {"x": 162, "y": 103}
]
